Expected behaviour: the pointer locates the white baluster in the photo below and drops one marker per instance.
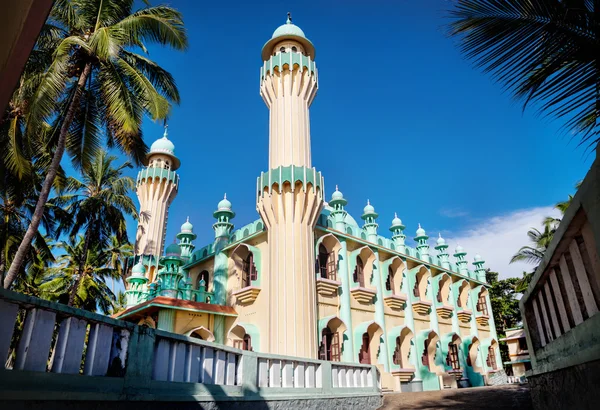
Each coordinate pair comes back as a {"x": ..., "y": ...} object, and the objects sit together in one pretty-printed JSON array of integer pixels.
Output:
[
  {"x": 34, "y": 346},
  {"x": 69, "y": 346}
]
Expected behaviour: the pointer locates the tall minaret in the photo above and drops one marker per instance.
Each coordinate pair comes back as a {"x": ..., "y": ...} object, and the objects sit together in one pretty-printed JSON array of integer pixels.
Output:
[
  {"x": 156, "y": 186},
  {"x": 290, "y": 193}
]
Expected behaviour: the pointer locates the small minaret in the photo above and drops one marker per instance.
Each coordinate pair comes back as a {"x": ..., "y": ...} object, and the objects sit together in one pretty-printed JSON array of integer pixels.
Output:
[
  {"x": 422, "y": 244},
  {"x": 136, "y": 291},
  {"x": 479, "y": 269},
  {"x": 186, "y": 236},
  {"x": 223, "y": 228},
  {"x": 156, "y": 187},
  {"x": 369, "y": 216},
  {"x": 461, "y": 260},
  {"x": 223, "y": 215},
  {"x": 442, "y": 249},
  {"x": 170, "y": 276},
  {"x": 339, "y": 213},
  {"x": 398, "y": 236}
]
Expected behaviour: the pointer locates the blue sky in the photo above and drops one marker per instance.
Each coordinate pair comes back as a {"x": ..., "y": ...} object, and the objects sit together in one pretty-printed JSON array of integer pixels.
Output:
[{"x": 401, "y": 118}]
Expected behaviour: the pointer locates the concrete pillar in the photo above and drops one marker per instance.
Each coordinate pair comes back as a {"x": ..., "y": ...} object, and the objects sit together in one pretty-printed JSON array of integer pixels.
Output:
[{"x": 345, "y": 300}]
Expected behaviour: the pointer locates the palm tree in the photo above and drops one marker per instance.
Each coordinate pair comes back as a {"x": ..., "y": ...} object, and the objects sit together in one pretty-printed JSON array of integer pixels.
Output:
[
  {"x": 120, "y": 253},
  {"x": 98, "y": 205},
  {"x": 83, "y": 286},
  {"x": 540, "y": 50},
  {"x": 540, "y": 241},
  {"x": 97, "y": 85}
]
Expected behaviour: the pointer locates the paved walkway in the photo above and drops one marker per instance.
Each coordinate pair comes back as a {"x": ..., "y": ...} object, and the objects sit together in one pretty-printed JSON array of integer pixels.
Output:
[{"x": 489, "y": 398}]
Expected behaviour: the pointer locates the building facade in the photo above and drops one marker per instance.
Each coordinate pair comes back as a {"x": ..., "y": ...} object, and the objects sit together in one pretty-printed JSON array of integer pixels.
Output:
[
  {"x": 306, "y": 279},
  {"x": 518, "y": 353}
]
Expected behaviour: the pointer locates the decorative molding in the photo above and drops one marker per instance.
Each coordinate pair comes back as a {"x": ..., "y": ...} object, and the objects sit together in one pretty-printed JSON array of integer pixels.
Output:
[
  {"x": 421, "y": 307},
  {"x": 396, "y": 302},
  {"x": 246, "y": 295},
  {"x": 445, "y": 311},
  {"x": 363, "y": 295},
  {"x": 483, "y": 320},
  {"x": 405, "y": 375},
  {"x": 327, "y": 287},
  {"x": 464, "y": 315}
]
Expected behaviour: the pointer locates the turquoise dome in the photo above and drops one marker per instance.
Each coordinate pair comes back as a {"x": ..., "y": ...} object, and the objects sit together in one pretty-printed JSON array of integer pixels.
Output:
[
  {"x": 162, "y": 146},
  {"x": 337, "y": 194},
  {"x": 397, "y": 221},
  {"x": 288, "y": 31},
  {"x": 478, "y": 258},
  {"x": 224, "y": 204},
  {"x": 187, "y": 227},
  {"x": 369, "y": 209},
  {"x": 441, "y": 241},
  {"x": 173, "y": 250},
  {"x": 459, "y": 249},
  {"x": 421, "y": 231},
  {"x": 138, "y": 269}
]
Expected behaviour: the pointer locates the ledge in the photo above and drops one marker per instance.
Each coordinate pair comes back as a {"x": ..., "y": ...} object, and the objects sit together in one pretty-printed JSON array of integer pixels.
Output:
[
  {"x": 483, "y": 320},
  {"x": 464, "y": 315},
  {"x": 445, "y": 311},
  {"x": 421, "y": 307},
  {"x": 246, "y": 295},
  {"x": 405, "y": 375},
  {"x": 363, "y": 295},
  {"x": 396, "y": 302},
  {"x": 327, "y": 287},
  {"x": 458, "y": 373}
]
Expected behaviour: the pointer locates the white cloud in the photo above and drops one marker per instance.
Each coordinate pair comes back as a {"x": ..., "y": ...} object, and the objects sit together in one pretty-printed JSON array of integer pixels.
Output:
[
  {"x": 453, "y": 212},
  {"x": 498, "y": 238}
]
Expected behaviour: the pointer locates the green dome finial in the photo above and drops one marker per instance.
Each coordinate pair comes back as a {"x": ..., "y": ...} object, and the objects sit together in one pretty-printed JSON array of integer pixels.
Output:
[
  {"x": 289, "y": 19},
  {"x": 187, "y": 227}
]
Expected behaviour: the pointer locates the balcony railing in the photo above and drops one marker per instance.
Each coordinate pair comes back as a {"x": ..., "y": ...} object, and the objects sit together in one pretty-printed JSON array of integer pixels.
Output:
[
  {"x": 52, "y": 349},
  {"x": 561, "y": 305}
]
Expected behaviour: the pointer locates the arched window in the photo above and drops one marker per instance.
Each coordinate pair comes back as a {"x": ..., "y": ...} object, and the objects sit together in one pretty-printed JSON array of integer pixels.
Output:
[
  {"x": 196, "y": 335},
  {"x": 389, "y": 283},
  {"x": 330, "y": 345},
  {"x": 248, "y": 271},
  {"x": 397, "y": 359},
  {"x": 425, "y": 355},
  {"x": 491, "y": 358},
  {"x": 364, "y": 356},
  {"x": 452, "y": 359},
  {"x": 294, "y": 49},
  {"x": 203, "y": 276},
  {"x": 247, "y": 345},
  {"x": 359, "y": 272},
  {"x": 326, "y": 266},
  {"x": 482, "y": 304},
  {"x": 282, "y": 50}
]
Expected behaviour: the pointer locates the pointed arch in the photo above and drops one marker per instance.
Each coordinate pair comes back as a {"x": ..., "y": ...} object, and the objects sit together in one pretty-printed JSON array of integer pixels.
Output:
[
  {"x": 331, "y": 332},
  {"x": 422, "y": 275},
  {"x": 244, "y": 336},
  {"x": 471, "y": 347},
  {"x": 444, "y": 283},
  {"x": 327, "y": 251},
  {"x": 463, "y": 289},
  {"x": 395, "y": 268},
  {"x": 245, "y": 266},
  {"x": 427, "y": 351},
  {"x": 361, "y": 264},
  {"x": 451, "y": 351},
  {"x": 201, "y": 333},
  {"x": 367, "y": 336},
  {"x": 400, "y": 339}
]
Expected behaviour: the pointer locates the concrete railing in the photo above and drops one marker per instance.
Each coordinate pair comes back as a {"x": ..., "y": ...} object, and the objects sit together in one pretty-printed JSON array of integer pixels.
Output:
[
  {"x": 53, "y": 352},
  {"x": 561, "y": 305}
]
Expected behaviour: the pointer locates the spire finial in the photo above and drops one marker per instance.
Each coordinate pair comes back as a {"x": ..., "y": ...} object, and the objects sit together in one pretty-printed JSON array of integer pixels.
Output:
[
  {"x": 419, "y": 226},
  {"x": 368, "y": 202},
  {"x": 440, "y": 234},
  {"x": 188, "y": 219},
  {"x": 166, "y": 130},
  {"x": 395, "y": 214},
  {"x": 336, "y": 188},
  {"x": 225, "y": 195},
  {"x": 289, "y": 19}
]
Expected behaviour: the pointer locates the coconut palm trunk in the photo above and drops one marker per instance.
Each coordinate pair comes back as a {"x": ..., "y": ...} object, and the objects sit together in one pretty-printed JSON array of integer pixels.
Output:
[
  {"x": 82, "y": 262},
  {"x": 36, "y": 219}
]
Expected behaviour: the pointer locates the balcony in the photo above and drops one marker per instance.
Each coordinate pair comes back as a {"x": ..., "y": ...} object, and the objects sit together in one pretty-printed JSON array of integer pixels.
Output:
[
  {"x": 363, "y": 295},
  {"x": 445, "y": 311},
  {"x": 396, "y": 302},
  {"x": 327, "y": 287},
  {"x": 464, "y": 315},
  {"x": 421, "y": 307},
  {"x": 246, "y": 295}
]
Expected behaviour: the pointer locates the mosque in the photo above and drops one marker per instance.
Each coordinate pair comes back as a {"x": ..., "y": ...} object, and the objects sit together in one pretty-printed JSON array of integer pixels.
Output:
[{"x": 306, "y": 279}]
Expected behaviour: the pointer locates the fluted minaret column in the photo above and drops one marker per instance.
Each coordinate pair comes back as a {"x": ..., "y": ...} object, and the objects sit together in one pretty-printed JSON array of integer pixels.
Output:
[
  {"x": 290, "y": 194},
  {"x": 156, "y": 187}
]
